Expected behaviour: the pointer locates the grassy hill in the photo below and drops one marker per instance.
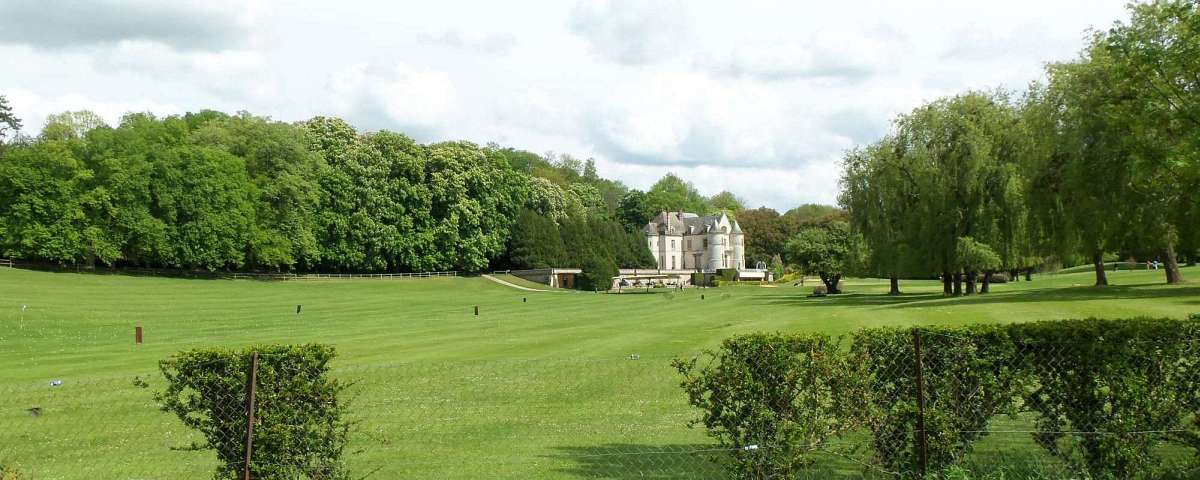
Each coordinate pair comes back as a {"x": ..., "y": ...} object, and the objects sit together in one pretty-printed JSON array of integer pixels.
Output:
[{"x": 542, "y": 388}]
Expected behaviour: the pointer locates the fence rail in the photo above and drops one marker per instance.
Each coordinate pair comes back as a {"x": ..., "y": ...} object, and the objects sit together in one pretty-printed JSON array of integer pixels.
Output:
[{"x": 167, "y": 272}]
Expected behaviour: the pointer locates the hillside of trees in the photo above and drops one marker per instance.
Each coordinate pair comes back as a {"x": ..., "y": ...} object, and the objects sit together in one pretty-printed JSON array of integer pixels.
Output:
[{"x": 213, "y": 191}]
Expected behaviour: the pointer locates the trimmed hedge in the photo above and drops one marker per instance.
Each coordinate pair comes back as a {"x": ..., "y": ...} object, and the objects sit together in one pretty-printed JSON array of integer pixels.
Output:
[
  {"x": 1105, "y": 393},
  {"x": 300, "y": 429}
]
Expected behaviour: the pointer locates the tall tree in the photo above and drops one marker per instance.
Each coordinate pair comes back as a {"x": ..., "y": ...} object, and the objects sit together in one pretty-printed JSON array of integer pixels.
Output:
[
  {"x": 8, "y": 121},
  {"x": 726, "y": 202},
  {"x": 826, "y": 250},
  {"x": 635, "y": 210},
  {"x": 882, "y": 206},
  {"x": 672, "y": 193},
  {"x": 1155, "y": 58}
]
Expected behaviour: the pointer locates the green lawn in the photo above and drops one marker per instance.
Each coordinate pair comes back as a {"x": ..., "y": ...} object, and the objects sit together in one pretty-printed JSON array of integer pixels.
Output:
[{"x": 543, "y": 388}]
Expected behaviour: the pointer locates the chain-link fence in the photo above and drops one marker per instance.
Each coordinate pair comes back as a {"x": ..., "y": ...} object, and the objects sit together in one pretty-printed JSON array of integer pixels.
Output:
[{"x": 1034, "y": 401}]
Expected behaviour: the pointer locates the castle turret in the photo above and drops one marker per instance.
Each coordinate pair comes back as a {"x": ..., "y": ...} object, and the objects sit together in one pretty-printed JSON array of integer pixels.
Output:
[
  {"x": 713, "y": 255},
  {"x": 739, "y": 253}
]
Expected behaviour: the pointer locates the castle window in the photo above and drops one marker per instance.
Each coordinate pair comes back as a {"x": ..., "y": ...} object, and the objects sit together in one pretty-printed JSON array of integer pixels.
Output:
[
  {"x": 672, "y": 244},
  {"x": 672, "y": 262},
  {"x": 689, "y": 244}
]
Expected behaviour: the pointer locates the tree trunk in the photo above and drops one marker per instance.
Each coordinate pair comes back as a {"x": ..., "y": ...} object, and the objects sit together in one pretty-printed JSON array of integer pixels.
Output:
[
  {"x": 1171, "y": 265},
  {"x": 1101, "y": 277},
  {"x": 1028, "y": 272},
  {"x": 971, "y": 278},
  {"x": 1014, "y": 275},
  {"x": 947, "y": 287},
  {"x": 831, "y": 283},
  {"x": 895, "y": 286},
  {"x": 987, "y": 282},
  {"x": 958, "y": 279}
]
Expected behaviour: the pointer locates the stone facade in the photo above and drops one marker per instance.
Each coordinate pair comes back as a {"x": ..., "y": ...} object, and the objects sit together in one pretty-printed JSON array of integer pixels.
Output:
[{"x": 686, "y": 241}]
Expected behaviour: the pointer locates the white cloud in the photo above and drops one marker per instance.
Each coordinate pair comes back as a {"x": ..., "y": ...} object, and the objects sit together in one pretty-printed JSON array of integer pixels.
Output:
[
  {"x": 199, "y": 25},
  {"x": 394, "y": 96},
  {"x": 632, "y": 31}
]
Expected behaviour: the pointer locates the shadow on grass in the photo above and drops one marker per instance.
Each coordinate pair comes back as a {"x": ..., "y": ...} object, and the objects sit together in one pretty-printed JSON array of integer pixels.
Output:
[
  {"x": 628, "y": 461},
  {"x": 1049, "y": 294},
  {"x": 680, "y": 461}
]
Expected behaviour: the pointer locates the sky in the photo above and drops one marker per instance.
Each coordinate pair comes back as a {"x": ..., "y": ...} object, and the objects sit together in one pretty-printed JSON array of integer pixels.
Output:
[{"x": 761, "y": 98}]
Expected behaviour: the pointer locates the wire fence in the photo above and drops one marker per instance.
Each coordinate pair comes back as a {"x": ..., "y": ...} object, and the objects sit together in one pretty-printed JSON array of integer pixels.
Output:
[{"x": 896, "y": 405}]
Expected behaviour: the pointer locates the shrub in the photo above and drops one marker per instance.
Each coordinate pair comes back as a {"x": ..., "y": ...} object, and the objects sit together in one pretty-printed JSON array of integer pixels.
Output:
[
  {"x": 998, "y": 277},
  {"x": 598, "y": 271},
  {"x": 9, "y": 472},
  {"x": 714, "y": 282},
  {"x": 773, "y": 399},
  {"x": 820, "y": 290},
  {"x": 1120, "y": 377},
  {"x": 968, "y": 377},
  {"x": 299, "y": 426}
]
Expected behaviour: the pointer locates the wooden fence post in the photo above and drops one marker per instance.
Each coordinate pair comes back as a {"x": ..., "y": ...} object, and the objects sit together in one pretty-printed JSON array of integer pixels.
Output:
[
  {"x": 251, "y": 389},
  {"x": 922, "y": 447},
  {"x": 137, "y": 335}
]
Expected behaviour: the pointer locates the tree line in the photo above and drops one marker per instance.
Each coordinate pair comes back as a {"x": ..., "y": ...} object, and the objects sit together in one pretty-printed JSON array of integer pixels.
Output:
[
  {"x": 212, "y": 191},
  {"x": 208, "y": 190},
  {"x": 1098, "y": 162}
]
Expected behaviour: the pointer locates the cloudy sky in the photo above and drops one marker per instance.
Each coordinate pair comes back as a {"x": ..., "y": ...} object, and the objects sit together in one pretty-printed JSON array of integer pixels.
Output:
[{"x": 759, "y": 98}]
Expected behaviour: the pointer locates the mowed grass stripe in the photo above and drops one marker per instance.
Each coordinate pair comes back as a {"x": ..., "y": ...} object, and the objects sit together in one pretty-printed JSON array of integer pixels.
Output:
[{"x": 532, "y": 389}]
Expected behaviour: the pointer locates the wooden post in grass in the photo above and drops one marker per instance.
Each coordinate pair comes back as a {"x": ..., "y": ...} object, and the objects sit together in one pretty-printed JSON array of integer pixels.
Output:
[
  {"x": 477, "y": 310},
  {"x": 251, "y": 389},
  {"x": 922, "y": 450},
  {"x": 137, "y": 335}
]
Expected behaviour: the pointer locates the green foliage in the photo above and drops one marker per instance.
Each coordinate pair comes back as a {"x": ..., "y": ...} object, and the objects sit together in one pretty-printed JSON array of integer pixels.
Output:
[
  {"x": 8, "y": 121},
  {"x": 726, "y": 202},
  {"x": 970, "y": 375},
  {"x": 598, "y": 271},
  {"x": 673, "y": 194},
  {"x": 536, "y": 243},
  {"x": 1108, "y": 394},
  {"x": 635, "y": 211},
  {"x": 976, "y": 257},
  {"x": 1121, "y": 377},
  {"x": 773, "y": 400},
  {"x": 827, "y": 251},
  {"x": 300, "y": 429}
]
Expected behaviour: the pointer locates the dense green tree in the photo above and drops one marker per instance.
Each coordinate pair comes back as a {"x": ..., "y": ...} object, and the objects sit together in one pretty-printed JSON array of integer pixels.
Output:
[
  {"x": 673, "y": 194},
  {"x": 535, "y": 242},
  {"x": 284, "y": 173},
  {"x": 1154, "y": 63},
  {"x": 828, "y": 251},
  {"x": 726, "y": 202},
  {"x": 42, "y": 190},
  {"x": 474, "y": 200},
  {"x": 766, "y": 233},
  {"x": 882, "y": 207},
  {"x": 635, "y": 210},
  {"x": 205, "y": 197},
  {"x": 68, "y": 125},
  {"x": 813, "y": 214}
]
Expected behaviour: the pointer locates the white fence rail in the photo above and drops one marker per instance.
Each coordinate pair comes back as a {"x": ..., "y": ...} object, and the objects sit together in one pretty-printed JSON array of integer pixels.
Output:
[{"x": 4, "y": 262}]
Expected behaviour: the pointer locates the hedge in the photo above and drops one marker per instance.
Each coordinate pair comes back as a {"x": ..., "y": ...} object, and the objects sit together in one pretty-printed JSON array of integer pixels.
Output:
[
  {"x": 1105, "y": 393},
  {"x": 300, "y": 429}
]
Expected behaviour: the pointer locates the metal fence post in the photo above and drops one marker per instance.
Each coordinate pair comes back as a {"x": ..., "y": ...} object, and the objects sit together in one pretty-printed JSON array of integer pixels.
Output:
[
  {"x": 251, "y": 388},
  {"x": 922, "y": 447}
]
